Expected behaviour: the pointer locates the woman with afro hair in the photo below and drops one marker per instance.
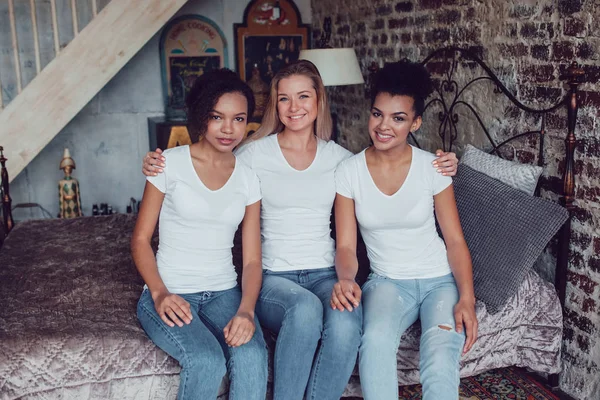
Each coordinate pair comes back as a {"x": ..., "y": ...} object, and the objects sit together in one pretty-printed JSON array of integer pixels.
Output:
[{"x": 395, "y": 195}]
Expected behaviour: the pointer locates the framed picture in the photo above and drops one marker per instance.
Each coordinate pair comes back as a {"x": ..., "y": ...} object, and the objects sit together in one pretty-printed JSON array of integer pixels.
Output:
[
  {"x": 189, "y": 46},
  {"x": 270, "y": 37}
]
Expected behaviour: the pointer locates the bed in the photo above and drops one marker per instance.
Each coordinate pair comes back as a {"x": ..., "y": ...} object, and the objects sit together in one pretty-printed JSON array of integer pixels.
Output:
[{"x": 68, "y": 326}]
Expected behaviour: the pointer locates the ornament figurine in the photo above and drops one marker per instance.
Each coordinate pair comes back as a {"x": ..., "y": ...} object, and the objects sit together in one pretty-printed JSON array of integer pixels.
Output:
[{"x": 68, "y": 190}]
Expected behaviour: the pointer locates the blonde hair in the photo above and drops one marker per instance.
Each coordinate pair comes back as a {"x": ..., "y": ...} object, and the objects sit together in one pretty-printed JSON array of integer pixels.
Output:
[{"x": 271, "y": 123}]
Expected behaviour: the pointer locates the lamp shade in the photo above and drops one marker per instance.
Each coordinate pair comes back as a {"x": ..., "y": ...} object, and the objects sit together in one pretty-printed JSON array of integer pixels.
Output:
[{"x": 337, "y": 66}]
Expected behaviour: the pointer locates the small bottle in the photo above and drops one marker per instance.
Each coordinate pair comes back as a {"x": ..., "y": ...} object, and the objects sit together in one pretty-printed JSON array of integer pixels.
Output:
[
  {"x": 95, "y": 209},
  {"x": 109, "y": 210}
]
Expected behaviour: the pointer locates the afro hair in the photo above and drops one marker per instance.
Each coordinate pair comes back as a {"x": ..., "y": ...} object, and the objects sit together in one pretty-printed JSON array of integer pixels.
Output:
[{"x": 404, "y": 78}]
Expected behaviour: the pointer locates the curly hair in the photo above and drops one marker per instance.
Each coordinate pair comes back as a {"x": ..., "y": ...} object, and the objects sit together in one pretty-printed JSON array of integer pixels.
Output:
[
  {"x": 404, "y": 78},
  {"x": 206, "y": 92}
]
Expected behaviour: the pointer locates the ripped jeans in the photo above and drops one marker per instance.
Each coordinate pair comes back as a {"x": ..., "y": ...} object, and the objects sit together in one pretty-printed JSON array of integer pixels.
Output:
[{"x": 390, "y": 308}]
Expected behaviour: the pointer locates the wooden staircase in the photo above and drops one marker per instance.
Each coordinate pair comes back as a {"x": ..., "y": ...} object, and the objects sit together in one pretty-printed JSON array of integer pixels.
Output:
[{"x": 77, "y": 73}]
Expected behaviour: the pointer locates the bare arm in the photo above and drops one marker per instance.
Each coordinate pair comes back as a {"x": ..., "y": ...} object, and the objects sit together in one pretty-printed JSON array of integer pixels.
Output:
[
  {"x": 241, "y": 327},
  {"x": 252, "y": 256},
  {"x": 460, "y": 263},
  {"x": 170, "y": 307},
  {"x": 141, "y": 250},
  {"x": 346, "y": 292}
]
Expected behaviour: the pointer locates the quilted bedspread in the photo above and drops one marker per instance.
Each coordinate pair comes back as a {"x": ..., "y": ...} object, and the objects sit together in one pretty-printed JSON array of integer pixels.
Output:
[{"x": 68, "y": 326}]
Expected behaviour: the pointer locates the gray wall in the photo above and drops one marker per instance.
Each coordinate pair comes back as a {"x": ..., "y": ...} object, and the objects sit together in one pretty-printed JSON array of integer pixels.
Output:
[{"x": 109, "y": 137}]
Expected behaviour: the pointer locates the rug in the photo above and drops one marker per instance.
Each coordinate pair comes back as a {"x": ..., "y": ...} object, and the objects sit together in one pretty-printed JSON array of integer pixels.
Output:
[
  {"x": 500, "y": 384},
  {"x": 505, "y": 383}
]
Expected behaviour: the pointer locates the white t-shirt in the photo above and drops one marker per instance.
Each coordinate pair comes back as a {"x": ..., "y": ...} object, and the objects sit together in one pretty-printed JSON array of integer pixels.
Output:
[
  {"x": 296, "y": 205},
  {"x": 197, "y": 225},
  {"x": 398, "y": 230}
]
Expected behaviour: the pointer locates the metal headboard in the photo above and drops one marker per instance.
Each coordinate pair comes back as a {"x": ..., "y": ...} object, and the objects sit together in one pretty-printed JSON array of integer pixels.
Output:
[{"x": 448, "y": 59}]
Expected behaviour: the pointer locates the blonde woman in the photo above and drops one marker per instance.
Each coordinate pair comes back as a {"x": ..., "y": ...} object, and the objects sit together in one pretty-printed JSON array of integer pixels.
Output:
[{"x": 295, "y": 162}]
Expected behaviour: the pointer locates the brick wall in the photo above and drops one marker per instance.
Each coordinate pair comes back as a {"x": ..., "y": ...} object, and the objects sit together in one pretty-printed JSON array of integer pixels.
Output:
[{"x": 530, "y": 43}]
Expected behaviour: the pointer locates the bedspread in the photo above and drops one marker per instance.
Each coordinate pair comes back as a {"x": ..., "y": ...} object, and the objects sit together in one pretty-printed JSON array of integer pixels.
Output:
[{"x": 68, "y": 326}]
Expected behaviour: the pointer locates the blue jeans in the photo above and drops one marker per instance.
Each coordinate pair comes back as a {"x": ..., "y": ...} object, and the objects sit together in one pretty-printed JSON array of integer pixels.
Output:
[
  {"x": 392, "y": 306},
  {"x": 295, "y": 306},
  {"x": 201, "y": 350}
]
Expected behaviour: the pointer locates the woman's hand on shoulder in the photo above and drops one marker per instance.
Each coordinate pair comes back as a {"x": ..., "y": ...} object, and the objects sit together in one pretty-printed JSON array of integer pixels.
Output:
[
  {"x": 240, "y": 329},
  {"x": 172, "y": 309},
  {"x": 464, "y": 315},
  {"x": 446, "y": 163},
  {"x": 346, "y": 294},
  {"x": 153, "y": 163}
]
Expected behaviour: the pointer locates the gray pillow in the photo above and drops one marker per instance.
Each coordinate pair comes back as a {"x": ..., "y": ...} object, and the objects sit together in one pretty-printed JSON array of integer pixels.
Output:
[
  {"x": 506, "y": 230},
  {"x": 520, "y": 176}
]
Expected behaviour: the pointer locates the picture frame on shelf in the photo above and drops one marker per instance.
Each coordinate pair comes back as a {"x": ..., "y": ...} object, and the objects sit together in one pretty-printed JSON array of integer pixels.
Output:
[
  {"x": 270, "y": 37},
  {"x": 189, "y": 46}
]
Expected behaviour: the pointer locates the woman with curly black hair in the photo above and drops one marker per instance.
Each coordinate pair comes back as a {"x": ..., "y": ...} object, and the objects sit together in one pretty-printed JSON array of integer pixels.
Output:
[
  {"x": 392, "y": 191},
  {"x": 192, "y": 307}
]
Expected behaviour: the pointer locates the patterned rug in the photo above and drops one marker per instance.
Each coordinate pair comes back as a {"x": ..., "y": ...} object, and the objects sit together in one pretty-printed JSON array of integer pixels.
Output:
[{"x": 500, "y": 384}]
